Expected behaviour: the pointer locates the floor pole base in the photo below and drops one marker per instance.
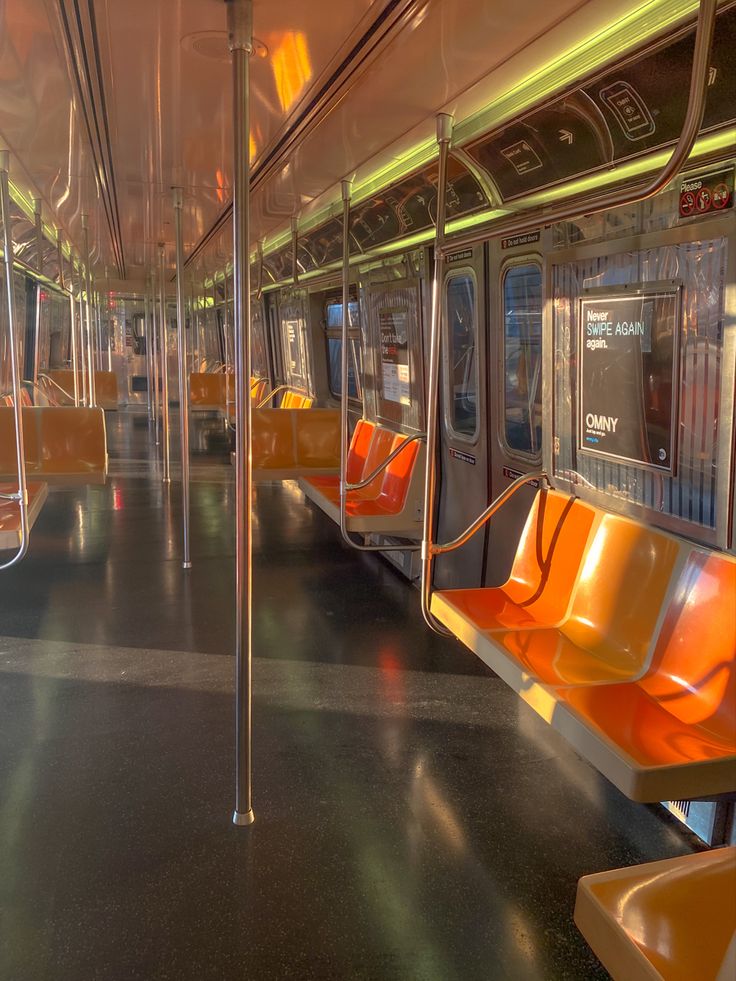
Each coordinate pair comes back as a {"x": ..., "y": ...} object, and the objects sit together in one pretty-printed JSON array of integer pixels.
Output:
[{"x": 242, "y": 820}]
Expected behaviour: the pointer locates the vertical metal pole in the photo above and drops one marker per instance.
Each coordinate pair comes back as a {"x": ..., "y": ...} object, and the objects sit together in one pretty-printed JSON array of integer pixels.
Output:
[
  {"x": 109, "y": 319},
  {"x": 154, "y": 359},
  {"x": 164, "y": 352},
  {"x": 37, "y": 220},
  {"x": 91, "y": 392},
  {"x": 183, "y": 377},
  {"x": 147, "y": 336},
  {"x": 98, "y": 325},
  {"x": 20, "y": 456},
  {"x": 79, "y": 330},
  {"x": 240, "y": 20},
  {"x": 38, "y": 223},
  {"x": 294, "y": 252},
  {"x": 346, "y": 192},
  {"x": 228, "y": 367},
  {"x": 72, "y": 313},
  {"x": 444, "y": 135}
]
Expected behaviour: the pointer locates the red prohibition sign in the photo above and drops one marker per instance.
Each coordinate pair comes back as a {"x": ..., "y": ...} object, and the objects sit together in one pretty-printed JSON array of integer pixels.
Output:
[
  {"x": 721, "y": 194},
  {"x": 703, "y": 199},
  {"x": 687, "y": 203}
]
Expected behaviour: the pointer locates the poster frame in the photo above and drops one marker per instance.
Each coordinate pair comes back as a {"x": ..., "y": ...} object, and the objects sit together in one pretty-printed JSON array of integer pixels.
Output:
[{"x": 654, "y": 288}]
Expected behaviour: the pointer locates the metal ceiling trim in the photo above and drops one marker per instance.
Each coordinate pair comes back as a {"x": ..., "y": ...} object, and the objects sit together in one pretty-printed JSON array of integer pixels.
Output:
[
  {"x": 85, "y": 64},
  {"x": 390, "y": 21}
]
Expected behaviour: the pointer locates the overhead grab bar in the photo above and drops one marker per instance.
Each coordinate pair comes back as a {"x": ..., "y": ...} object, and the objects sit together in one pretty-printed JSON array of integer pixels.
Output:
[
  {"x": 22, "y": 495},
  {"x": 344, "y": 421},
  {"x": 465, "y": 536},
  {"x": 586, "y": 204}
]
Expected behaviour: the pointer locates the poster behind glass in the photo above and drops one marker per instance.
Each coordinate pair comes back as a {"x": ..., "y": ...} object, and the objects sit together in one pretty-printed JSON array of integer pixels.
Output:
[{"x": 628, "y": 374}]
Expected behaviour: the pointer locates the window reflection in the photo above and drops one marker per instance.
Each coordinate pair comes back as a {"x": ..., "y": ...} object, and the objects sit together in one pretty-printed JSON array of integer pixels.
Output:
[{"x": 522, "y": 315}]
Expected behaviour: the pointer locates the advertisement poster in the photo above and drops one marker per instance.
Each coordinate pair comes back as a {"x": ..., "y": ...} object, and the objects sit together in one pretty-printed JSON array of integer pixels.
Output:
[
  {"x": 293, "y": 347},
  {"x": 628, "y": 375},
  {"x": 393, "y": 325}
]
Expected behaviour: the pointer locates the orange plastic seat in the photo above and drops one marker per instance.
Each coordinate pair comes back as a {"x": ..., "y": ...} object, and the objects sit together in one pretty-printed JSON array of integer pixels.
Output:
[
  {"x": 317, "y": 439},
  {"x": 106, "y": 389},
  {"x": 616, "y": 602},
  {"x": 208, "y": 391},
  {"x": 73, "y": 444},
  {"x": 673, "y": 920},
  {"x": 10, "y": 512},
  {"x": 543, "y": 574},
  {"x": 62, "y": 444},
  {"x": 677, "y": 722},
  {"x": 390, "y": 504},
  {"x": 273, "y": 443},
  {"x": 31, "y": 419},
  {"x": 360, "y": 443},
  {"x": 393, "y": 487}
]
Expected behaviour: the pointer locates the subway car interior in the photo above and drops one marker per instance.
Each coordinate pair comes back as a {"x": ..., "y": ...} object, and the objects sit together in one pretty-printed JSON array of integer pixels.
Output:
[{"x": 367, "y": 441}]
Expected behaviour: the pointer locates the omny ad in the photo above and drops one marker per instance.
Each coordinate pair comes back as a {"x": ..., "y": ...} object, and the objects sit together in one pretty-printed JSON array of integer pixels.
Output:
[{"x": 628, "y": 374}]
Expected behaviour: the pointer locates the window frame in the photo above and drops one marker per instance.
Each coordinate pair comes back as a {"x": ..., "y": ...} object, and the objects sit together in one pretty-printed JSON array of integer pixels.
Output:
[
  {"x": 530, "y": 259},
  {"x": 455, "y": 273},
  {"x": 355, "y": 340}
]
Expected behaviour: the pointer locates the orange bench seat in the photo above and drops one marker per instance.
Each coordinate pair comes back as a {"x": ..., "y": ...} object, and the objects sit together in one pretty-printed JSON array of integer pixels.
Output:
[
  {"x": 63, "y": 444},
  {"x": 106, "y": 387},
  {"x": 10, "y": 512},
  {"x": 290, "y": 443},
  {"x": 620, "y": 636},
  {"x": 672, "y": 920},
  {"x": 391, "y": 503}
]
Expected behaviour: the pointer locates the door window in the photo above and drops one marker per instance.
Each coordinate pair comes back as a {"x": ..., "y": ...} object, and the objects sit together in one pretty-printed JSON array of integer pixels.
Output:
[
  {"x": 462, "y": 374},
  {"x": 522, "y": 360}
]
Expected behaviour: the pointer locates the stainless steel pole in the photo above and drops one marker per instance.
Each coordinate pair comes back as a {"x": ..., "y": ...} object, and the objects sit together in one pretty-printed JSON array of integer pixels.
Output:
[
  {"x": 38, "y": 222},
  {"x": 20, "y": 456},
  {"x": 109, "y": 319},
  {"x": 91, "y": 392},
  {"x": 98, "y": 320},
  {"x": 344, "y": 353},
  {"x": 147, "y": 337},
  {"x": 240, "y": 20},
  {"x": 154, "y": 359},
  {"x": 164, "y": 352},
  {"x": 183, "y": 378},
  {"x": 72, "y": 314},
  {"x": 444, "y": 135},
  {"x": 294, "y": 250},
  {"x": 79, "y": 330}
]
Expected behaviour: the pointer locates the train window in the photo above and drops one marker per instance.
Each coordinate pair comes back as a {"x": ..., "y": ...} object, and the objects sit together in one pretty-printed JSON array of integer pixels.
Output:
[
  {"x": 295, "y": 344},
  {"x": 522, "y": 341},
  {"x": 462, "y": 374},
  {"x": 333, "y": 328}
]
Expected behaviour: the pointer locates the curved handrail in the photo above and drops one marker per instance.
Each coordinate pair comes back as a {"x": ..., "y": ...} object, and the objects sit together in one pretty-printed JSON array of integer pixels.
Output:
[
  {"x": 281, "y": 388},
  {"x": 384, "y": 463},
  {"x": 22, "y": 496},
  {"x": 503, "y": 497},
  {"x": 48, "y": 378}
]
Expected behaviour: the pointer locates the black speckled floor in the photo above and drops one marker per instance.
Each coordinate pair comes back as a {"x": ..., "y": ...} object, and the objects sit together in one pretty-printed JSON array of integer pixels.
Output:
[{"x": 414, "y": 819}]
